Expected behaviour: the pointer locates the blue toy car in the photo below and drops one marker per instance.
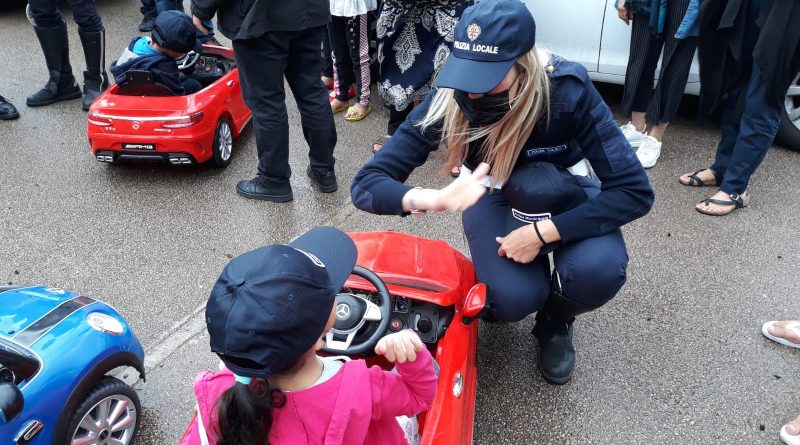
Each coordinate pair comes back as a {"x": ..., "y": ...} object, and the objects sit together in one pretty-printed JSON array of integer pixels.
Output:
[{"x": 56, "y": 351}]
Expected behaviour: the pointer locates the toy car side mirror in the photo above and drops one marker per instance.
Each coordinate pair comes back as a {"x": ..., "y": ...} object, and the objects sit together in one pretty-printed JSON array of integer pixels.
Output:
[
  {"x": 11, "y": 402},
  {"x": 474, "y": 303}
]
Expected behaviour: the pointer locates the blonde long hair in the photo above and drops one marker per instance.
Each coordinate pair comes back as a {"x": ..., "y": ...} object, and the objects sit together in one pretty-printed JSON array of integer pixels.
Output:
[{"x": 504, "y": 138}]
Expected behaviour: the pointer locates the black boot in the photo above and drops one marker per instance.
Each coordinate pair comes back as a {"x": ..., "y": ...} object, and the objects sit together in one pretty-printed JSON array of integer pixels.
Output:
[
  {"x": 553, "y": 332},
  {"x": 7, "y": 110},
  {"x": 61, "y": 85},
  {"x": 95, "y": 79}
]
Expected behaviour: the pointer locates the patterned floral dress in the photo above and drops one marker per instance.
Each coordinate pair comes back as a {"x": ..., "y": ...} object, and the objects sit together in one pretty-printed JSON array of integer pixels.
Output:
[{"x": 414, "y": 39}]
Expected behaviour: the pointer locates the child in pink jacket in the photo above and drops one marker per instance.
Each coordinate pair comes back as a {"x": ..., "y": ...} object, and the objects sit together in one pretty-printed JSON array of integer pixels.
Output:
[{"x": 267, "y": 317}]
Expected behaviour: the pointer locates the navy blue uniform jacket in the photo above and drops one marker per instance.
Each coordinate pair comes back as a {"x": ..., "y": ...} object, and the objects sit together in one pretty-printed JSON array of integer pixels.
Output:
[
  {"x": 581, "y": 126},
  {"x": 164, "y": 69}
]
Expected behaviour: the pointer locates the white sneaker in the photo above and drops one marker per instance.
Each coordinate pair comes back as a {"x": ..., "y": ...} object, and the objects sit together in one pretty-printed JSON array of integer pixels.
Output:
[
  {"x": 649, "y": 152},
  {"x": 634, "y": 136}
]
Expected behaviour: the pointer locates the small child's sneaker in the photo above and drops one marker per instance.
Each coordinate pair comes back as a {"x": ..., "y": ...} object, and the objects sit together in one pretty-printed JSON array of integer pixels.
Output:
[
  {"x": 634, "y": 136},
  {"x": 649, "y": 151}
]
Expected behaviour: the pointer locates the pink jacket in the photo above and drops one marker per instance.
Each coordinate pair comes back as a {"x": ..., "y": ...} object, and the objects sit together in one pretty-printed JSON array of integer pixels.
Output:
[{"x": 356, "y": 406}]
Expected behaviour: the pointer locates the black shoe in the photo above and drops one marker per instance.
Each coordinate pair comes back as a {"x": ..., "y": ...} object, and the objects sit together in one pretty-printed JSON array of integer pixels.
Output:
[
  {"x": 265, "y": 189},
  {"x": 7, "y": 110},
  {"x": 95, "y": 78},
  {"x": 326, "y": 182},
  {"x": 61, "y": 85},
  {"x": 212, "y": 41},
  {"x": 147, "y": 24},
  {"x": 556, "y": 353},
  {"x": 553, "y": 332}
]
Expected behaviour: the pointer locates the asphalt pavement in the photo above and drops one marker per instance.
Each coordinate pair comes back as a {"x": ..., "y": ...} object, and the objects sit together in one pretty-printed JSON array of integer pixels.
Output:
[{"x": 676, "y": 358}]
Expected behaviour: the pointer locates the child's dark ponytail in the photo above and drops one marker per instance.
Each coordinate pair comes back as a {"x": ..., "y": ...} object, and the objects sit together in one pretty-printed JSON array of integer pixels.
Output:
[{"x": 244, "y": 416}]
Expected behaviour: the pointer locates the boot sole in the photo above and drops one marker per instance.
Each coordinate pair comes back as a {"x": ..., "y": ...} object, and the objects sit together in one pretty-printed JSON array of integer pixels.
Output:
[
  {"x": 262, "y": 197},
  {"x": 77, "y": 95},
  {"x": 9, "y": 117},
  {"x": 554, "y": 380}
]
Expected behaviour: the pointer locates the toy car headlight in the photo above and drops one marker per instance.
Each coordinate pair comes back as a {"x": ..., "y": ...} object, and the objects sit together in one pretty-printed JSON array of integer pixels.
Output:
[{"x": 105, "y": 323}]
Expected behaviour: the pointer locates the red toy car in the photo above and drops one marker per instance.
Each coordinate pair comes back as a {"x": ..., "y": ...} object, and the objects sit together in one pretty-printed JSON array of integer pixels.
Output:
[
  {"x": 403, "y": 281},
  {"x": 141, "y": 119},
  {"x": 430, "y": 287}
]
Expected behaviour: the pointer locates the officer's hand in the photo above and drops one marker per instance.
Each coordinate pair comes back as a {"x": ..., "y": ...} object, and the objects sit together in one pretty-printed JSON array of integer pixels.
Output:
[
  {"x": 522, "y": 245},
  {"x": 622, "y": 11},
  {"x": 462, "y": 193},
  {"x": 199, "y": 24},
  {"x": 400, "y": 347}
]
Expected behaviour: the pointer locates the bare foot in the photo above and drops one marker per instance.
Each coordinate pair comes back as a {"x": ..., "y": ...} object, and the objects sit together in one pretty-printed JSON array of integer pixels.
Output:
[
  {"x": 788, "y": 330},
  {"x": 338, "y": 105},
  {"x": 376, "y": 146},
  {"x": 710, "y": 208},
  {"x": 793, "y": 427},
  {"x": 327, "y": 80},
  {"x": 706, "y": 177}
]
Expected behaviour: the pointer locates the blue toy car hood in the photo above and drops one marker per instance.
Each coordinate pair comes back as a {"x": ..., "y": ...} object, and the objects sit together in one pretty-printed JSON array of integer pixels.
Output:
[{"x": 21, "y": 308}]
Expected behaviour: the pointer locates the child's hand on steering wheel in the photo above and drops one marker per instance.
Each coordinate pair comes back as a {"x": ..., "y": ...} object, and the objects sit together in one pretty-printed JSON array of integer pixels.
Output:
[{"x": 400, "y": 347}]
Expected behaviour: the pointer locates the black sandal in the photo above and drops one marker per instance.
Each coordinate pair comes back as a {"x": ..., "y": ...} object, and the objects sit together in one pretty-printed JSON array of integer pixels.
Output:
[
  {"x": 737, "y": 202},
  {"x": 695, "y": 181},
  {"x": 382, "y": 140}
]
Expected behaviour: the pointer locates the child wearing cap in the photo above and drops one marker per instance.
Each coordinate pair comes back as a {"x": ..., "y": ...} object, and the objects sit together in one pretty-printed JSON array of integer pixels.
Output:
[
  {"x": 173, "y": 36},
  {"x": 267, "y": 316}
]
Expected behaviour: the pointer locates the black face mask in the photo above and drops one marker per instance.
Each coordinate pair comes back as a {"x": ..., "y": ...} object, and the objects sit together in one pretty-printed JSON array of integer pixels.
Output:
[{"x": 485, "y": 110}]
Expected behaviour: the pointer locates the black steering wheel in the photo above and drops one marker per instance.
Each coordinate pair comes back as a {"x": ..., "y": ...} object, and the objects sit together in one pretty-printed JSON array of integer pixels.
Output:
[
  {"x": 353, "y": 312},
  {"x": 187, "y": 61}
]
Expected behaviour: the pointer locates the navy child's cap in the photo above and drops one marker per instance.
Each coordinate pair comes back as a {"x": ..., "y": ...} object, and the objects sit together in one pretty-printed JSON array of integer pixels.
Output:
[
  {"x": 174, "y": 30},
  {"x": 270, "y": 305},
  {"x": 489, "y": 37},
  {"x": 539, "y": 191}
]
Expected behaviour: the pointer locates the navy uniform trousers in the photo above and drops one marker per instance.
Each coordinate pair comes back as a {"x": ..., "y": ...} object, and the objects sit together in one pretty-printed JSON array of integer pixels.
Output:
[
  {"x": 591, "y": 270},
  {"x": 263, "y": 63},
  {"x": 46, "y": 14}
]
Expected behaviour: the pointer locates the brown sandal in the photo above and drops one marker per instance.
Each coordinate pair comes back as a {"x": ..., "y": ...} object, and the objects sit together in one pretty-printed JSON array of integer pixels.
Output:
[{"x": 695, "y": 181}]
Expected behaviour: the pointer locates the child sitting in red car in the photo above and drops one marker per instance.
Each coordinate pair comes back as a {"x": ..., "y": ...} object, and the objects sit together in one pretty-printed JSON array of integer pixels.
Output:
[
  {"x": 173, "y": 36},
  {"x": 267, "y": 316}
]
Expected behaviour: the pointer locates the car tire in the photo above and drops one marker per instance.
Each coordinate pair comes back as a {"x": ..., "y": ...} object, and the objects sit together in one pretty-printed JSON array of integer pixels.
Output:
[
  {"x": 110, "y": 400},
  {"x": 222, "y": 148},
  {"x": 789, "y": 131}
]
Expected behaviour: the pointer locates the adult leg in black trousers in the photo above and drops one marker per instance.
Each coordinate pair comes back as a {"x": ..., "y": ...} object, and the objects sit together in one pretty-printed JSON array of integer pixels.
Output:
[
  {"x": 311, "y": 96},
  {"x": 263, "y": 62},
  {"x": 149, "y": 14}
]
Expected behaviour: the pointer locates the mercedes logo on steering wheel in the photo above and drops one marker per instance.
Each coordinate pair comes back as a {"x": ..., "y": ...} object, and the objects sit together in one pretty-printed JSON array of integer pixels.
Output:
[{"x": 342, "y": 311}]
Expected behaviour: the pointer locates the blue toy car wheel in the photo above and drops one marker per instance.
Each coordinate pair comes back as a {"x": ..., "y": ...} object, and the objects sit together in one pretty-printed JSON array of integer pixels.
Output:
[{"x": 110, "y": 413}]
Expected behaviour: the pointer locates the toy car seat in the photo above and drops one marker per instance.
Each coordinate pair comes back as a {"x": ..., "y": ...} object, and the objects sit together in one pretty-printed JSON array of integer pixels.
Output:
[{"x": 142, "y": 83}]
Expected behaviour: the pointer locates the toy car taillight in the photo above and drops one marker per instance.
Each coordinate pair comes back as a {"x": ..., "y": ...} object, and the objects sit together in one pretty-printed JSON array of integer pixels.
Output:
[
  {"x": 183, "y": 122},
  {"x": 96, "y": 119}
]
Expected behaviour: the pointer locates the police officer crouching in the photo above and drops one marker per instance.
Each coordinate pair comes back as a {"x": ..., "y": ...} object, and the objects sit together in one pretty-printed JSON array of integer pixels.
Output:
[{"x": 518, "y": 118}]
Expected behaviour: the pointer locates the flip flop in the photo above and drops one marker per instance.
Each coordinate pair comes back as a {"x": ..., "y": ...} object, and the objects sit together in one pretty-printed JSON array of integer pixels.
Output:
[
  {"x": 737, "y": 202},
  {"x": 793, "y": 327},
  {"x": 381, "y": 140},
  {"x": 789, "y": 439},
  {"x": 353, "y": 115},
  {"x": 695, "y": 181}
]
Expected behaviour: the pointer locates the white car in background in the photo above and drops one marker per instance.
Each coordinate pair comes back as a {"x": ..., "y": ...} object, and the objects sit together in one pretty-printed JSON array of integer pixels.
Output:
[{"x": 591, "y": 33}]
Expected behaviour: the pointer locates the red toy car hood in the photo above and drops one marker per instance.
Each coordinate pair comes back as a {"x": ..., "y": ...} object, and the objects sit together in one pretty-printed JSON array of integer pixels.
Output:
[{"x": 420, "y": 268}]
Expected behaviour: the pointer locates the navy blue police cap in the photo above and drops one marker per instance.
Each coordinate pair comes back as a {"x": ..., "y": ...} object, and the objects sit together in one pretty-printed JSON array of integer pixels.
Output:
[
  {"x": 174, "y": 30},
  {"x": 539, "y": 191},
  {"x": 488, "y": 38},
  {"x": 270, "y": 305}
]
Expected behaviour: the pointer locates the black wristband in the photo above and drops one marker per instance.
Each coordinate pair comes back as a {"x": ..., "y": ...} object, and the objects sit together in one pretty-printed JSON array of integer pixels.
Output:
[{"x": 539, "y": 234}]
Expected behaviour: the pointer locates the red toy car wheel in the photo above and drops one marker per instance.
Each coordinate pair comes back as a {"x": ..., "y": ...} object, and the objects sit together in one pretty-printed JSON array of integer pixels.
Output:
[{"x": 222, "y": 149}]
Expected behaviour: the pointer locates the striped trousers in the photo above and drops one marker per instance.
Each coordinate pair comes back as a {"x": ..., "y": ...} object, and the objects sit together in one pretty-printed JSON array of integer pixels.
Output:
[
  {"x": 659, "y": 104},
  {"x": 350, "y": 47}
]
